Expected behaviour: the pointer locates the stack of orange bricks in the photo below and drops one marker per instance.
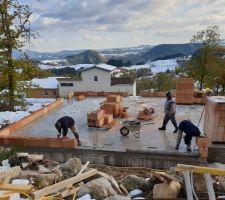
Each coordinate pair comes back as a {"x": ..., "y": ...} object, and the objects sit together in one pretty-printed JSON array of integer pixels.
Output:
[
  {"x": 96, "y": 118},
  {"x": 214, "y": 122},
  {"x": 113, "y": 105},
  {"x": 184, "y": 91},
  {"x": 80, "y": 97}
]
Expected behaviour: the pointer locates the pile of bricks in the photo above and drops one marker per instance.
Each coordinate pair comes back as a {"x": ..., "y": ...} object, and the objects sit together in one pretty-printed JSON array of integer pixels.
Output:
[
  {"x": 98, "y": 118},
  {"x": 184, "y": 91},
  {"x": 113, "y": 105},
  {"x": 214, "y": 121},
  {"x": 199, "y": 97},
  {"x": 80, "y": 97},
  {"x": 101, "y": 94},
  {"x": 155, "y": 94}
]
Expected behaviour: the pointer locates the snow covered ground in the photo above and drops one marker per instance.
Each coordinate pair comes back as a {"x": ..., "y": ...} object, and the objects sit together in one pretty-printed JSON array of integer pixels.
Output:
[
  {"x": 33, "y": 105},
  {"x": 157, "y": 66}
]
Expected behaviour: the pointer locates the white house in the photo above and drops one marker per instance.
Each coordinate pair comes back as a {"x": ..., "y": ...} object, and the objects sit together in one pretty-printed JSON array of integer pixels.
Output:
[{"x": 97, "y": 78}]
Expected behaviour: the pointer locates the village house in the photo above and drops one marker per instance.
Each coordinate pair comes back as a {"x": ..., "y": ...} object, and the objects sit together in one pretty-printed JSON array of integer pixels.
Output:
[
  {"x": 43, "y": 88},
  {"x": 98, "y": 78}
]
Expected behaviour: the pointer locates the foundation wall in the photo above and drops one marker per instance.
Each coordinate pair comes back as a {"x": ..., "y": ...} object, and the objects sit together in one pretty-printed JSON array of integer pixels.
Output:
[
  {"x": 156, "y": 160},
  {"x": 26, "y": 120}
]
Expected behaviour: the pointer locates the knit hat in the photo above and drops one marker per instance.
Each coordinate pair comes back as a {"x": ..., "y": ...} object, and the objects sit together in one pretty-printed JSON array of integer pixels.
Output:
[{"x": 168, "y": 94}]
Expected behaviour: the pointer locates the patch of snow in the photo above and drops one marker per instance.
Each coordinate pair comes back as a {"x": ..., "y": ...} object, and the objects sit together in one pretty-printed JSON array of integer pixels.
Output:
[
  {"x": 54, "y": 61},
  {"x": 76, "y": 67},
  {"x": 47, "y": 83},
  {"x": 33, "y": 105},
  {"x": 157, "y": 66},
  {"x": 107, "y": 67}
]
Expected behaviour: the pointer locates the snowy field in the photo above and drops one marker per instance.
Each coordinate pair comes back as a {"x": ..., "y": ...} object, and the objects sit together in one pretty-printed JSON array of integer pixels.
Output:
[
  {"x": 33, "y": 105},
  {"x": 156, "y": 66}
]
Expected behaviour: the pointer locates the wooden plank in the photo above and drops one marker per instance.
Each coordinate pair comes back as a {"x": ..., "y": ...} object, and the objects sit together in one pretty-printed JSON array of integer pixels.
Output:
[
  {"x": 5, "y": 197},
  {"x": 83, "y": 167},
  {"x": 35, "y": 157},
  {"x": 209, "y": 185},
  {"x": 159, "y": 177},
  {"x": 200, "y": 169},
  {"x": 63, "y": 184},
  {"x": 115, "y": 185},
  {"x": 124, "y": 190},
  {"x": 16, "y": 188},
  {"x": 112, "y": 180},
  {"x": 188, "y": 187},
  {"x": 168, "y": 176}
]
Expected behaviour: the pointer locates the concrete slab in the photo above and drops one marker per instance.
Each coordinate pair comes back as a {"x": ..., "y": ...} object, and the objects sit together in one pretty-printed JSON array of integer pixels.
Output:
[{"x": 151, "y": 139}]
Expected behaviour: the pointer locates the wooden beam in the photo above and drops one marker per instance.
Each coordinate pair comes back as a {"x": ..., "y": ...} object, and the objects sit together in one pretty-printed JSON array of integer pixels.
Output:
[
  {"x": 63, "y": 184},
  {"x": 16, "y": 188},
  {"x": 200, "y": 169},
  {"x": 112, "y": 181},
  {"x": 209, "y": 185},
  {"x": 83, "y": 167},
  {"x": 167, "y": 176},
  {"x": 188, "y": 187}
]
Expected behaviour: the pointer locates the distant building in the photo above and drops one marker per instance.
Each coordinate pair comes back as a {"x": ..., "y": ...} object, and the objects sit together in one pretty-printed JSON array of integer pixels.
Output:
[
  {"x": 43, "y": 88},
  {"x": 98, "y": 78}
]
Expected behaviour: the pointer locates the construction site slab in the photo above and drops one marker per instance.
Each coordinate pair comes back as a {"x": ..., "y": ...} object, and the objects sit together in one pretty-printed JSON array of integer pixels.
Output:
[{"x": 150, "y": 140}]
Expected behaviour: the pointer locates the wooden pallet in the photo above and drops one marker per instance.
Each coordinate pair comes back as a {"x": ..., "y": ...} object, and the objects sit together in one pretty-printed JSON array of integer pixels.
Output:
[{"x": 105, "y": 126}]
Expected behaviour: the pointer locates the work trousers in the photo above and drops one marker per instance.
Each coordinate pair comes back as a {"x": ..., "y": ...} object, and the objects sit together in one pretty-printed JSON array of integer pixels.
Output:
[
  {"x": 168, "y": 117},
  {"x": 187, "y": 139},
  {"x": 74, "y": 131}
]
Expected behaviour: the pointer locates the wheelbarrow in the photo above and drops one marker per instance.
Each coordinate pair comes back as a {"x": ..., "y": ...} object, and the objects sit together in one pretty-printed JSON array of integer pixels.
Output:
[{"x": 132, "y": 126}]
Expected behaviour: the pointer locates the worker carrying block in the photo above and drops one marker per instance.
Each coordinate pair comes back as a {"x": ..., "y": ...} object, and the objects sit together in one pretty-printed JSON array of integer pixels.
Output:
[{"x": 63, "y": 124}]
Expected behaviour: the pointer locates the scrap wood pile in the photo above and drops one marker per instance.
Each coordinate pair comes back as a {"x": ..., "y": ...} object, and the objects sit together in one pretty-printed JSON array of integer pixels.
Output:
[
  {"x": 38, "y": 178},
  {"x": 146, "y": 113}
]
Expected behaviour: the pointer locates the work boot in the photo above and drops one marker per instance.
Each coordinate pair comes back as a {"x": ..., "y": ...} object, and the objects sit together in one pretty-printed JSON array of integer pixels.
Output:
[
  {"x": 162, "y": 128},
  {"x": 79, "y": 142},
  {"x": 175, "y": 131},
  {"x": 189, "y": 148}
]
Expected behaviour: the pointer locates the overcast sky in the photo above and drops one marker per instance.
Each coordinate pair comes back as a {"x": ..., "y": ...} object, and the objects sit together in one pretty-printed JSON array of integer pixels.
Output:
[{"x": 97, "y": 24}]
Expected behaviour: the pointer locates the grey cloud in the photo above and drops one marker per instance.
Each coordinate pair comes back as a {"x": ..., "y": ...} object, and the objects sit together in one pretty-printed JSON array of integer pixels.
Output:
[{"x": 124, "y": 15}]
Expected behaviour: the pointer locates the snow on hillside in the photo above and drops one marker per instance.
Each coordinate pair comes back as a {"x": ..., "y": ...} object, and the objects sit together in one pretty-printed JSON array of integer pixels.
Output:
[
  {"x": 33, "y": 105},
  {"x": 76, "y": 67},
  {"x": 157, "y": 66}
]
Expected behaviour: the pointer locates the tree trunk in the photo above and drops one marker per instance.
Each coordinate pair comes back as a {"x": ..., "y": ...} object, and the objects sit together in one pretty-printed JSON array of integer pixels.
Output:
[{"x": 11, "y": 83}]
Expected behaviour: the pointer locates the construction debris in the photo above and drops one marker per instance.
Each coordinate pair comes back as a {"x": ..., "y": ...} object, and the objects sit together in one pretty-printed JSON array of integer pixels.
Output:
[{"x": 44, "y": 178}]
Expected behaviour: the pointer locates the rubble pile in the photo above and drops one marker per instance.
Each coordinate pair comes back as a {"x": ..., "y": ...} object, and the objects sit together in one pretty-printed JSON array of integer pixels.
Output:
[{"x": 39, "y": 177}]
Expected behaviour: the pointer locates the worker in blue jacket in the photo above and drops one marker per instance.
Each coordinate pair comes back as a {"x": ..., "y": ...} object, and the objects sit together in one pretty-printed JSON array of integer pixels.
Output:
[
  {"x": 190, "y": 131},
  {"x": 65, "y": 123}
]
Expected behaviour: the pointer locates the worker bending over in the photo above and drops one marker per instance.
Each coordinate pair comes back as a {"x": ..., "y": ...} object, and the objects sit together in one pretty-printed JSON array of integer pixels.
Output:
[
  {"x": 63, "y": 124},
  {"x": 190, "y": 131}
]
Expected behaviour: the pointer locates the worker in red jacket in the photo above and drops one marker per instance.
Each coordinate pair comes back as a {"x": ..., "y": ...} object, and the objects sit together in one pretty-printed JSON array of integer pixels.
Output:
[{"x": 64, "y": 124}]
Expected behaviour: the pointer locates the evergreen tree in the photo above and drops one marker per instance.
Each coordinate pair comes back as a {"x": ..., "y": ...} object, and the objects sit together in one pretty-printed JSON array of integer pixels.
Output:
[{"x": 15, "y": 32}]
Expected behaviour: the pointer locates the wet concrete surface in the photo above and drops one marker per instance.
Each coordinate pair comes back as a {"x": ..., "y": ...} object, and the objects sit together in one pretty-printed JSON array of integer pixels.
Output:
[{"x": 151, "y": 139}]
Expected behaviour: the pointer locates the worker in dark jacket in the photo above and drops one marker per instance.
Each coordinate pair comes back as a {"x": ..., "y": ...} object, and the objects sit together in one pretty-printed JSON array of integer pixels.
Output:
[
  {"x": 190, "y": 131},
  {"x": 63, "y": 124},
  {"x": 170, "y": 111}
]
